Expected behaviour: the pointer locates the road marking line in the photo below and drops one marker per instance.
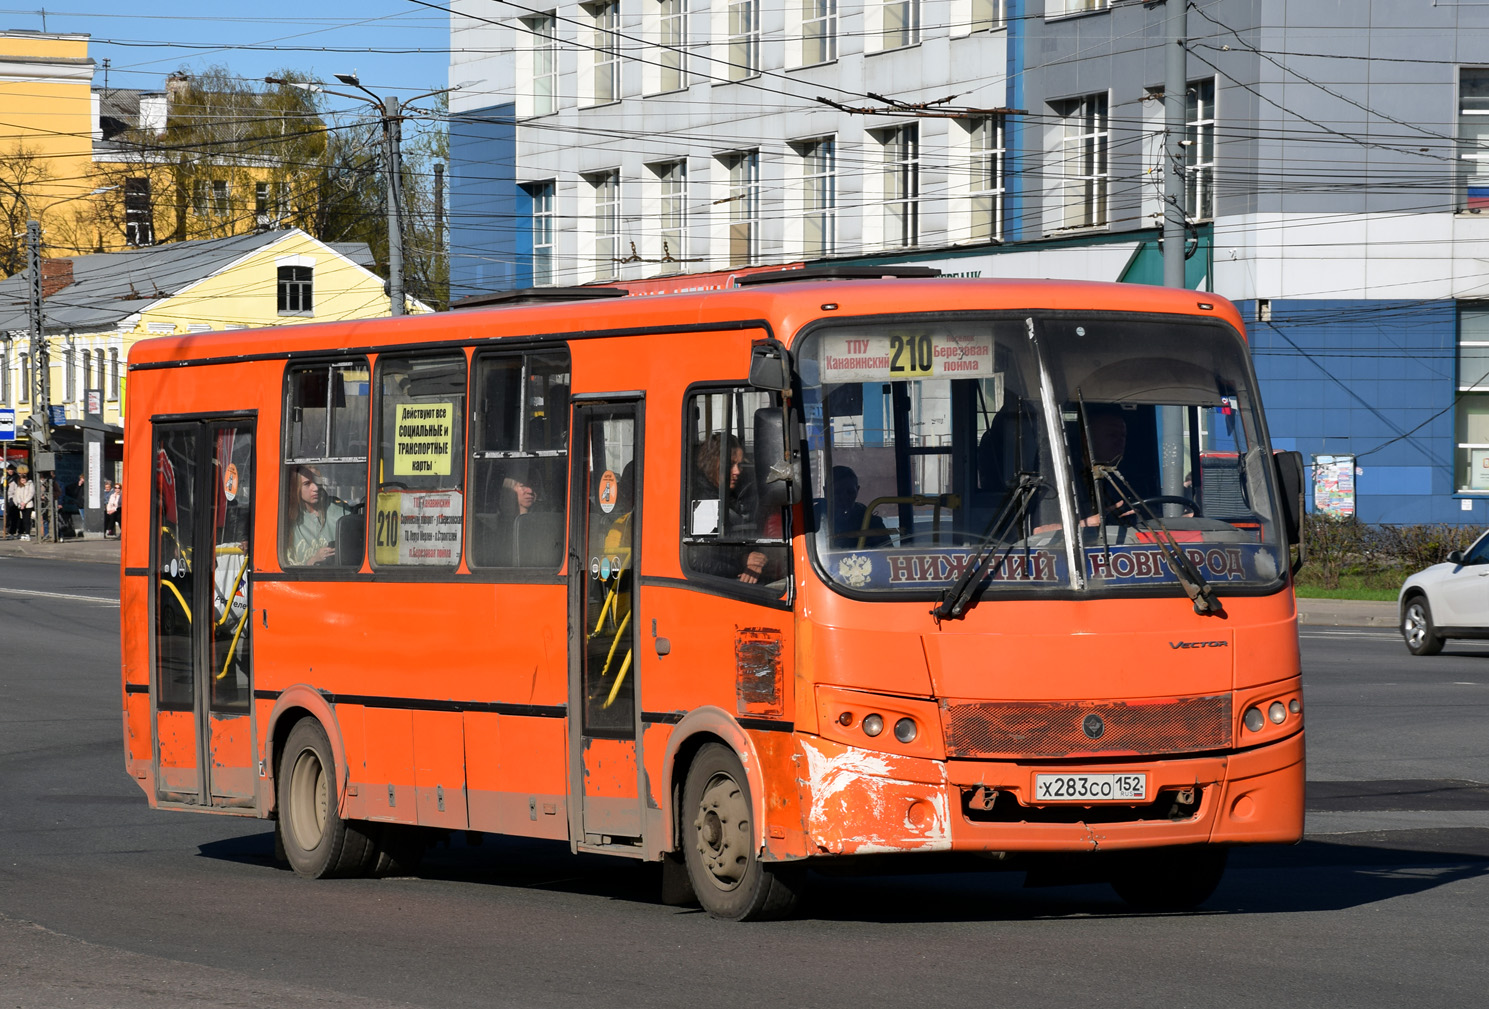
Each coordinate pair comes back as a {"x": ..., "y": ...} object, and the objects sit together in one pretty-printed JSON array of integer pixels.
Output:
[{"x": 59, "y": 595}]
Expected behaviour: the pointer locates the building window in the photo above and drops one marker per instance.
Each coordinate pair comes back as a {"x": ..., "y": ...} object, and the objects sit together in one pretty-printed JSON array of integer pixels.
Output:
[
  {"x": 672, "y": 38},
  {"x": 113, "y": 386},
  {"x": 69, "y": 375},
  {"x": 820, "y": 197},
  {"x": 1199, "y": 152},
  {"x": 542, "y": 197},
  {"x": 987, "y": 15},
  {"x": 1472, "y": 422},
  {"x": 270, "y": 207},
  {"x": 1473, "y": 138},
  {"x": 985, "y": 174},
  {"x": 605, "y": 189},
  {"x": 744, "y": 206},
  {"x": 672, "y": 212},
  {"x": 210, "y": 197},
  {"x": 295, "y": 290},
  {"x": 1083, "y": 154},
  {"x": 901, "y": 23},
  {"x": 819, "y": 31},
  {"x": 4, "y": 376},
  {"x": 744, "y": 39},
  {"x": 1057, "y": 8},
  {"x": 901, "y": 185},
  {"x": 139, "y": 214},
  {"x": 605, "y": 21},
  {"x": 87, "y": 374},
  {"x": 24, "y": 393},
  {"x": 543, "y": 36}
]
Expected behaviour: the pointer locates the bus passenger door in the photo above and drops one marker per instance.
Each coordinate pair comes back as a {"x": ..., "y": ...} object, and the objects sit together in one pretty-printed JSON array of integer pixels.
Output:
[
  {"x": 200, "y": 673},
  {"x": 604, "y": 764}
]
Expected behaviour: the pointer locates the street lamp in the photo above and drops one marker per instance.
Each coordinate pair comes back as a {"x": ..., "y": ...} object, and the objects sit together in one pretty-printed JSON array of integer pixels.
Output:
[
  {"x": 392, "y": 121},
  {"x": 41, "y": 421}
]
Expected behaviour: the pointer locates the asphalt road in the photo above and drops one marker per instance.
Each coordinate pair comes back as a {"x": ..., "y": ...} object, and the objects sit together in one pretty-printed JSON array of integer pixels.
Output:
[{"x": 104, "y": 902}]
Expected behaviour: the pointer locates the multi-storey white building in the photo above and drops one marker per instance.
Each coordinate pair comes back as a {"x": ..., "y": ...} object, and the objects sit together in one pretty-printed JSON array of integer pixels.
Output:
[
  {"x": 665, "y": 136},
  {"x": 1332, "y": 171}
]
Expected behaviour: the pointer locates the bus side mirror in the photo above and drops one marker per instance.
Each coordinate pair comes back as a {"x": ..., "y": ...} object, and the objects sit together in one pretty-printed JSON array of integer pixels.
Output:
[
  {"x": 1290, "y": 484},
  {"x": 770, "y": 366},
  {"x": 777, "y": 466}
]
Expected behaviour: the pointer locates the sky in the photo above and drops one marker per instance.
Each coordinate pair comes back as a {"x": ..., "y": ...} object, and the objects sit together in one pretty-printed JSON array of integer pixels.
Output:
[{"x": 396, "y": 47}]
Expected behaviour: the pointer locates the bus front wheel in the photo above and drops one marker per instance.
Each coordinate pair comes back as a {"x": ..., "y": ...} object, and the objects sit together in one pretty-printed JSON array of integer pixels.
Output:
[
  {"x": 317, "y": 842},
  {"x": 1169, "y": 879},
  {"x": 721, "y": 848}
]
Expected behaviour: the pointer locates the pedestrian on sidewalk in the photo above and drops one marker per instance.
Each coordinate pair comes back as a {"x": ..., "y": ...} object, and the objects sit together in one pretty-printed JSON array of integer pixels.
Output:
[
  {"x": 22, "y": 494},
  {"x": 11, "y": 516},
  {"x": 113, "y": 498}
]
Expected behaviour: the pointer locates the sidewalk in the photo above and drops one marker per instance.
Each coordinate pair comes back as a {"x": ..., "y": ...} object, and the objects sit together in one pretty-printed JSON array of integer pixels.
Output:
[
  {"x": 92, "y": 548},
  {"x": 1347, "y": 613}
]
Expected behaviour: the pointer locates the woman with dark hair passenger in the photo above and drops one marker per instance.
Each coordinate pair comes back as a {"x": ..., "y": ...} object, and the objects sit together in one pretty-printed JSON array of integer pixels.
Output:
[
  {"x": 718, "y": 464},
  {"x": 315, "y": 514}
]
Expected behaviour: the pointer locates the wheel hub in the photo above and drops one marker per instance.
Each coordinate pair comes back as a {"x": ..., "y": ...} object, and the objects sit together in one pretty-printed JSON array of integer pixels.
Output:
[{"x": 723, "y": 831}]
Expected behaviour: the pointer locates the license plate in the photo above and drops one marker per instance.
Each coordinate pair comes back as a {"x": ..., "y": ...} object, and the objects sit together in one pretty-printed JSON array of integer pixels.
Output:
[{"x": 1090, "y": 787}]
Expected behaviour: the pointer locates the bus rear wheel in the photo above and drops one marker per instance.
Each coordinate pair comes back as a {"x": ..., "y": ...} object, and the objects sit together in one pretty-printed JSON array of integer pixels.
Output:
[
  {"x": 721, "y": 848},
  {"x": 317, "y": 842},
  {"x": 1169, "y": 879}
]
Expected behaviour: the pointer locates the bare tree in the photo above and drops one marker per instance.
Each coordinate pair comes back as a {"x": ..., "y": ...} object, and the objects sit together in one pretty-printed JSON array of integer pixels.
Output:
[{"x": 22, "y": 173}]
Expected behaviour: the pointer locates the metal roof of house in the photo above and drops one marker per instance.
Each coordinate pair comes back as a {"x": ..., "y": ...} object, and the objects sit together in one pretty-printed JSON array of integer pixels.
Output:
[{"x": 109, "y": 287}]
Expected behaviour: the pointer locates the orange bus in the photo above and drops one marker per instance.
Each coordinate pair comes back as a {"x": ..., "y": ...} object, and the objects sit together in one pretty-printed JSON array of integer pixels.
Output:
[{"x": 815, "y": 569}]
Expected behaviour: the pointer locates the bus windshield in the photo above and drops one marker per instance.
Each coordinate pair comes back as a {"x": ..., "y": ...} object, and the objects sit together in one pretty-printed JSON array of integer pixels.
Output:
[{"x": 1055, "y": 453}]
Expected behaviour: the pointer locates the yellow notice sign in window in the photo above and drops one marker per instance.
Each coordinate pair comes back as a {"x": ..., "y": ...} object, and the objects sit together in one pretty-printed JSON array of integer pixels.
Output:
[{"x": 423, "y": 435}]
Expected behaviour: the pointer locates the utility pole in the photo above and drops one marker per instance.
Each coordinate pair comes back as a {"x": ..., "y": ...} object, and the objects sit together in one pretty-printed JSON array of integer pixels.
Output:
[
  {"x": 1175, "y": 88},
  {"x": 392, "y": 131},
  {"x": 1175, "y": 105},
  {"x": 41, "y": 420}
]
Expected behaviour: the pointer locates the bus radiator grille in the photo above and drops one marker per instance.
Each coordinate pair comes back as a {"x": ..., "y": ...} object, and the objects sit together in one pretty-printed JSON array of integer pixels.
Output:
[{"x": 1015, "y": 729}]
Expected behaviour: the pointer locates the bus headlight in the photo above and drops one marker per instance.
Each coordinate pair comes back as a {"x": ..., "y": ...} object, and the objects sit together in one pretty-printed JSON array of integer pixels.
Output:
[
  {"x": 905, "y": 730},
  {"x": 873, "y": 725},
  {"x": 1277, "y": 713},
  {"x": 1254, "y": 719}
]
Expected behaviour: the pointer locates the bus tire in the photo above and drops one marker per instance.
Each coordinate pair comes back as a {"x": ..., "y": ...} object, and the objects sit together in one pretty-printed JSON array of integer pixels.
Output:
[
  {"x": 317, "y": 842},
  {"x": 722, "y": 849},
  {"x": 397, "y": 850},
  {"x": 1169, "y": 879}
]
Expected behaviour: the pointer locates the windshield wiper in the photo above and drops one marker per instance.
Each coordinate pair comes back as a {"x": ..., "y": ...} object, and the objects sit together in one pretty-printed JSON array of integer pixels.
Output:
[
  {"x": 959, "y": 598},
  {"x": 1201, "y": 593}
]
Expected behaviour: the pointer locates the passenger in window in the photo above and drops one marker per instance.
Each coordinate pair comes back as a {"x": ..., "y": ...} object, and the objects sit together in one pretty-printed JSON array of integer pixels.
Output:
[
  {"x": 851, "y": 521},
  {"x": 720, "y": 460},
  {"x": 524, "y": 495},
  {"x": 313, "y": 535}
]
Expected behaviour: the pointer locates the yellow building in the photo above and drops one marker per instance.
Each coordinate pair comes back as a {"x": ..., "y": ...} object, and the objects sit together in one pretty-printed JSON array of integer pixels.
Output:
[
  {"x": 46, "y": 135},
  {"x": 95, "y": 307},
  {"x": 108, "y": 168}
]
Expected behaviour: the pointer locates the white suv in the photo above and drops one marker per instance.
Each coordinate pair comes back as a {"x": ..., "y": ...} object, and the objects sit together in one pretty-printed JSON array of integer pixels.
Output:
[{"x": 1448, "y": 600}]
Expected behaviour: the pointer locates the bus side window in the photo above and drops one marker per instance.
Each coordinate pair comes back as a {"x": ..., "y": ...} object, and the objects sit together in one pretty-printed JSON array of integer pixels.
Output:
[
  {"x": 419, "y": 512},
  {"x": 726, "y": 534},
  {"x": 519, "y": 460},
  {"x": 325, "y": 464}
]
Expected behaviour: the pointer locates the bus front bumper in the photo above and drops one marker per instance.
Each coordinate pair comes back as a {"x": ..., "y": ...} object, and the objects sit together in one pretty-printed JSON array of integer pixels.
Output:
[{"x": 859, "y": 801}]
